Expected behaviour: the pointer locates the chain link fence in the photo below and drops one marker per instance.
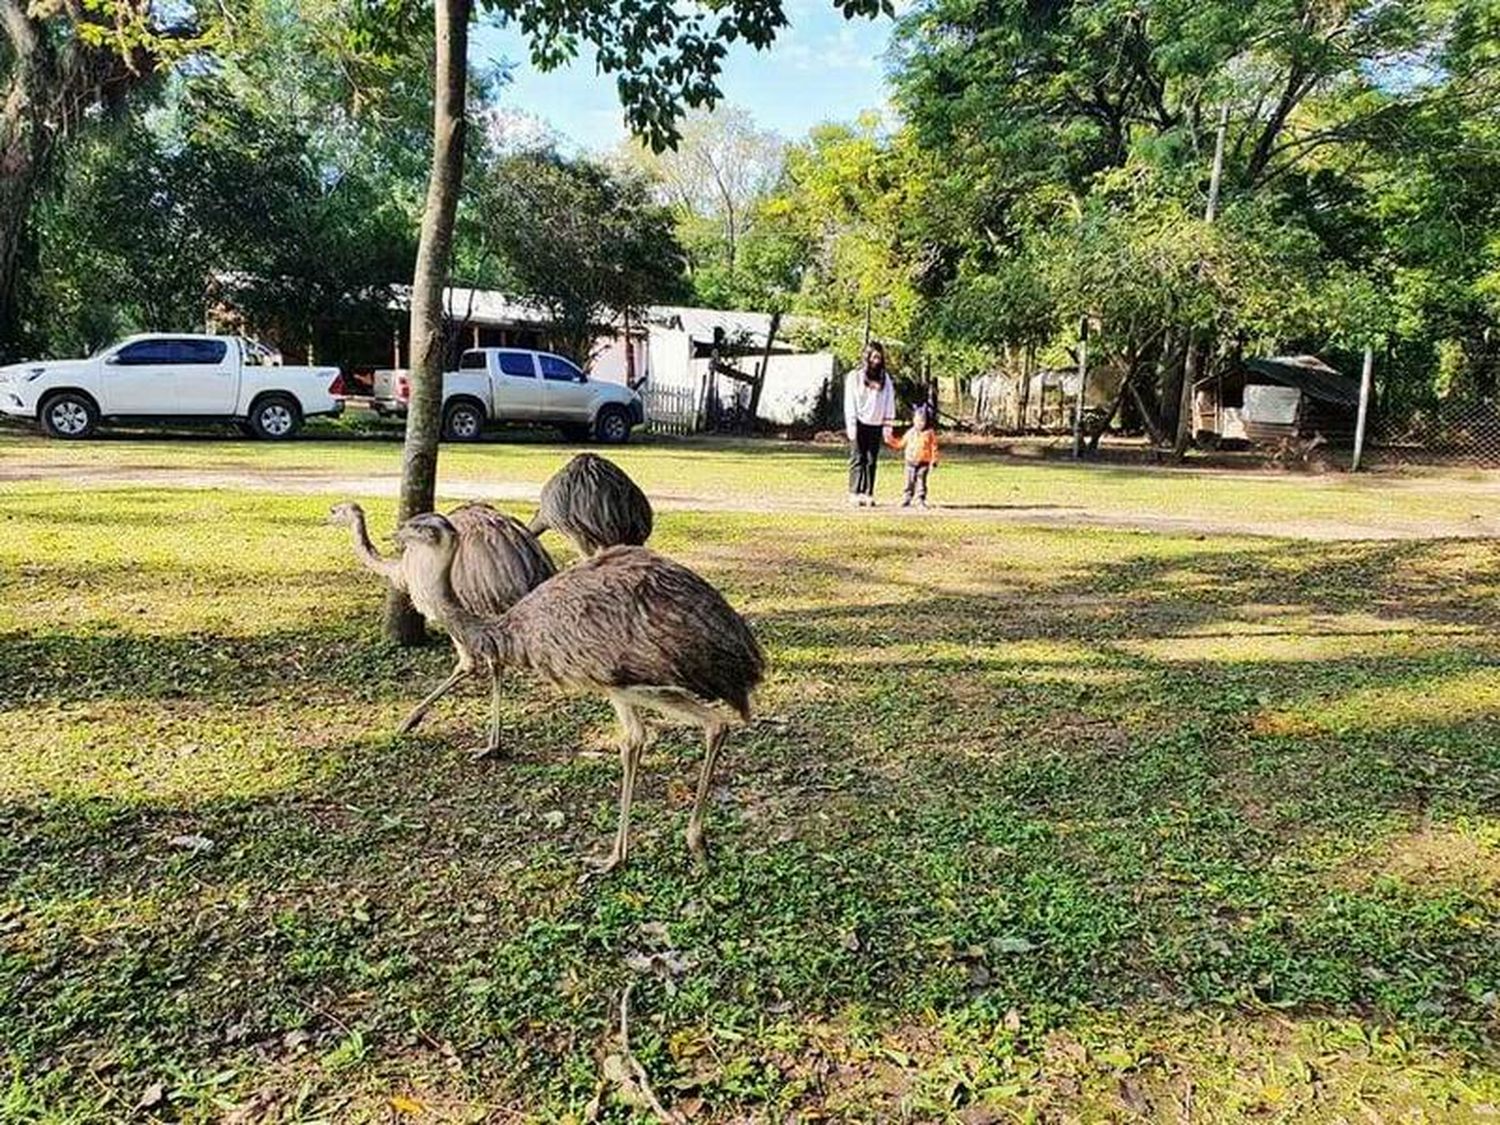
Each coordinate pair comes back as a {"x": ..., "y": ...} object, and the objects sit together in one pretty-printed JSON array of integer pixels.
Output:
[{"x": 1458, "y": 430}]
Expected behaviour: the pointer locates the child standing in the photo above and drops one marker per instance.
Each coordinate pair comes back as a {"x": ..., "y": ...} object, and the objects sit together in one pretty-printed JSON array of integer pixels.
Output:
[{"x": 921, "y": 446}]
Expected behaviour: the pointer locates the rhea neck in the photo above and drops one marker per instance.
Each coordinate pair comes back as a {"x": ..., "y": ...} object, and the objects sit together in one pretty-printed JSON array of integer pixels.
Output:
[
  {"x": 366, "y": 551},
  {"x": 429, "y": 578}
]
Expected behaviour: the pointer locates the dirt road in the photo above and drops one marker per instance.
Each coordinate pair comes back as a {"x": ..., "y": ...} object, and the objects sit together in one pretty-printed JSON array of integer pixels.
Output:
[{"x": 1405, "y": 519}]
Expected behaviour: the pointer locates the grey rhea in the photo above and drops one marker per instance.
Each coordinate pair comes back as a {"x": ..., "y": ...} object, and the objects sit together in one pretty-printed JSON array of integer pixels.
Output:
[
  {"x": 496, "y": 563},
  {"x": 594, "y": 503},
  {"x": 627, "y": 623}
]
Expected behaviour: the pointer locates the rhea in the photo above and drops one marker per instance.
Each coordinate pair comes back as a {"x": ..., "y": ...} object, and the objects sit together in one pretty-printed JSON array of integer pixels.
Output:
[
  {"x": 496, "y": 563},
  {"x": 594, "y": 503},
  {"x": 626, "y": 623}
]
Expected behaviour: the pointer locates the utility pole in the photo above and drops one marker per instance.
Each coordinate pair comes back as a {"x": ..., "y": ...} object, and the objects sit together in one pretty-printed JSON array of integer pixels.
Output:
[
  {"x": 1365, "y": 380},
  {"x": 1193, "y": 359}
]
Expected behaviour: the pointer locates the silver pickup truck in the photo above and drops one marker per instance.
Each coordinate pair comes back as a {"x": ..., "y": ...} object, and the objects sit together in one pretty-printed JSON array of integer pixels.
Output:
[{"x": 515, "y": 385}]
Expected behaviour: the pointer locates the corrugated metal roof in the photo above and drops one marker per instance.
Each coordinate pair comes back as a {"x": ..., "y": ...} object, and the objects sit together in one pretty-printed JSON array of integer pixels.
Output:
[
  {"x": 1310, "y": 375},
  {"x": 739, "y": 327},
  {"x": 489, "y": 306}
]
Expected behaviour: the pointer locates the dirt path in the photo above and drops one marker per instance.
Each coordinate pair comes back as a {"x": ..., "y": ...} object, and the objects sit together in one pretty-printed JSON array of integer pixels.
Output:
[{"x": 1407, "y": 524}]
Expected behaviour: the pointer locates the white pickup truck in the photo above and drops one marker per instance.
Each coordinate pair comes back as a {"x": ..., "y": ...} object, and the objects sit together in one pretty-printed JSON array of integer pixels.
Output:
[
  {"x": 170, "y": 378},
  {"x": 515, "y": 385}
]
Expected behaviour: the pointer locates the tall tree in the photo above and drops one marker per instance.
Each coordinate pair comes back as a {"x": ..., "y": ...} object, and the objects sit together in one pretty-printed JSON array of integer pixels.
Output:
[
  {"x": 666, "y": 59},
  {"x": 64, "y": 67},
  {"x": 714, "y": 176},
  {"x": 586, "y": 244}
]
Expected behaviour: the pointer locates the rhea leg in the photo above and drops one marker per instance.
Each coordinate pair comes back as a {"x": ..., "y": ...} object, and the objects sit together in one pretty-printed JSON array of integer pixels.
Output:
[
  {"x": 420, "y": 711},
  {"x": 713, "y": 739},
  {"x": 632, "y": 742},
  {"x": 491, "y": 747}
]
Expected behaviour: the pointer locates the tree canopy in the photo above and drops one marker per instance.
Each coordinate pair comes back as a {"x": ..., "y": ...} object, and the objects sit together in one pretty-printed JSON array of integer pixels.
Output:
[{"x": 586, "y": 244}]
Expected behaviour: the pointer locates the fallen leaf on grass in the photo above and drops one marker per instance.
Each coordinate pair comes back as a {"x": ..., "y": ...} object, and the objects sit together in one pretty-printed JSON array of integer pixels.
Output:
[
  {"x": 664, "y": 964},
  {"x": 1013, "y": 944},
  {"x": 193, "y": 844},
  {"x": 1134, "y": 1099},
  {"x": 155, "y": 1094},
  {"x": 403, "y": 1104}
]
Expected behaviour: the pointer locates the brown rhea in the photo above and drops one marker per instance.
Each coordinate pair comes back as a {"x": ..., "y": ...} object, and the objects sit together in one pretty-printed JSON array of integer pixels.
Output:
[
  {"x": 640, "y": 629},
  {"x": 593, "y": 502},
  {"x": 497, "y": 562}
]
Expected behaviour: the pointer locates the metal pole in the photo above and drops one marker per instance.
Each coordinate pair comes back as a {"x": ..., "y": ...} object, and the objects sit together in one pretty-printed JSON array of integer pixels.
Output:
[
  {"x": 1364, "y": 406},
  {"x": 1083, "y": 382}
]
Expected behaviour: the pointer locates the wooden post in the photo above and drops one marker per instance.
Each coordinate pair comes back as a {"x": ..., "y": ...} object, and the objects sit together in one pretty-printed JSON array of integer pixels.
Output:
[
  {"x": 1365, "y": 381},
  {"x": 765, "y": 367},
  {"x": 629, "y": 353},
  {"x": 1028, "y": 364},
  {"x": 1083, "y": 383}
]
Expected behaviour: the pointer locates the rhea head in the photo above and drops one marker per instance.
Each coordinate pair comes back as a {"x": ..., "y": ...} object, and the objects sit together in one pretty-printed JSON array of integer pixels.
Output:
[
  {"x": 429, "y": 532},
  {"x": 346, "y": 514}
]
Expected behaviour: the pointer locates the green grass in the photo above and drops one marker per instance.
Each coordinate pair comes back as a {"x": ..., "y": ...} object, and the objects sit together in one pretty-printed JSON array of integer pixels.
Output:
[{"x": 1049, "y": 824}]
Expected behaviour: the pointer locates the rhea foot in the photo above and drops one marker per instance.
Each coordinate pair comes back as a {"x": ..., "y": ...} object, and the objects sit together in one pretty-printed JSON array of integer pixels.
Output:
[
  {"x": 696, "y": 848},
  {"x": 487, "y": 752},
  {"x": 599, "y": 866}
]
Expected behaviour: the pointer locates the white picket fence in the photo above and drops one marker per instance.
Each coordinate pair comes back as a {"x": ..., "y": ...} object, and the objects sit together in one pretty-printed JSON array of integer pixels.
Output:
[{"x": 670, "y": 410}]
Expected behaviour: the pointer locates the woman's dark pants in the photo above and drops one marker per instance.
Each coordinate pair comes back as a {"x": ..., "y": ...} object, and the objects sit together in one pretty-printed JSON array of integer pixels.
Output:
[{"x": 864, "y": 454}]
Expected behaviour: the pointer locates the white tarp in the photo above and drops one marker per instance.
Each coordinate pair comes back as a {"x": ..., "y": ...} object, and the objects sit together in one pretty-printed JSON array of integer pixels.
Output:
[{"x": 1271, "y": 406}]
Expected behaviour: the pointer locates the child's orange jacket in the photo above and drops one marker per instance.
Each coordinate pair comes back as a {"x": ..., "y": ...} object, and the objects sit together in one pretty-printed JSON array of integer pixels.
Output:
[{"x": 921, "y": 446}]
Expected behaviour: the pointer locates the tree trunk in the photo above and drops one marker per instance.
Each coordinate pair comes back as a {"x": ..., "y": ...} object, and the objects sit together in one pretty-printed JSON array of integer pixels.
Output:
[
  {"x": 419, "y": 456},
  {"x": 22, "y": 150},
  {"x": 1185, "y": 411},
  {"x": 17, "y": 185},
  {"x": 1028, "y": 364}
]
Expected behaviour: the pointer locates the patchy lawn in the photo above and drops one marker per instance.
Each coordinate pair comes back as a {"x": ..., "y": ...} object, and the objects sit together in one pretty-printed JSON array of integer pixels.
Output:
[
  {"x": 1040, "y": 824},
  {"x": 777, "y": 477}
]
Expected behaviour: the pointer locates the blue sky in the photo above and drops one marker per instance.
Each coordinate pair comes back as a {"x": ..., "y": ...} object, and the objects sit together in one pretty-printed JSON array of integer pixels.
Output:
[{"x": 822, "y": 68}]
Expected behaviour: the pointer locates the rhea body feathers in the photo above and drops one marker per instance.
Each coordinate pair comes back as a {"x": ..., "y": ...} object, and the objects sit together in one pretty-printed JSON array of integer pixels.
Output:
[
  {"x": 497, "y": 560},
  {"x": 623, "y": 618}
]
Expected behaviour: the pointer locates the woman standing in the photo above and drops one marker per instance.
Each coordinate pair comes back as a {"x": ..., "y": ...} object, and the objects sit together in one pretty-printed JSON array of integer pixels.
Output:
[{"x": 869, "y": 410}]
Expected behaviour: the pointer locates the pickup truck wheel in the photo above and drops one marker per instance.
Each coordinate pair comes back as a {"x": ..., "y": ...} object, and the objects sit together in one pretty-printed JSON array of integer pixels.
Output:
[
  {"x": 463, "y": 421},
  {"x": 613, "y": 425},
  {"x": 275, "y": 418},
  {"x": 69, "y": 416}
]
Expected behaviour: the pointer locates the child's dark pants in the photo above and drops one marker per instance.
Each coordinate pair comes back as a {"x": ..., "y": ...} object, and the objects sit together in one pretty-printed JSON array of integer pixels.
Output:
[{"x": 916, "y": 482}]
